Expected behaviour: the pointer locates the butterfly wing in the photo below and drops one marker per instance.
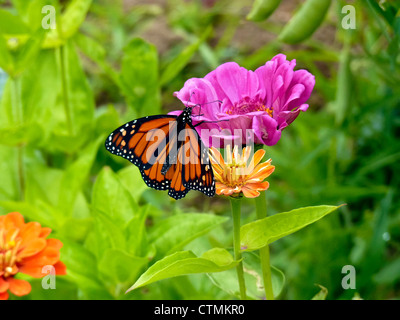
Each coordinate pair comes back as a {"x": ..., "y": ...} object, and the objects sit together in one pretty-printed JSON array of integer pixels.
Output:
[
  {"x": 197, "y": 172},
  {"x": 151, "y": 138},
  {"x": 140, "y": 140},
  {"x": 165, "y": 159}
]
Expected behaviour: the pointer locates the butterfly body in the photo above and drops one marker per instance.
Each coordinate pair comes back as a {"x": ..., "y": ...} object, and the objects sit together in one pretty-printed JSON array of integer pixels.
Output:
[{"x": 168, "y": 152}]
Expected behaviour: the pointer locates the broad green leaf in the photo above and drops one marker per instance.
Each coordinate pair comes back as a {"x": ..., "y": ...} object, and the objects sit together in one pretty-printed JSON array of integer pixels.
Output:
[
  {"x": 82, "y": 269},
  {"x": 227, "y": 280},
  {"x": 120, "y": 268},
  {"x": 76, "y": 229},
  {"x": 135, "y": 233},
  {"x": 28, "y": 52},
  {"x": 21, "y": 134},
  {"x": 180, "y": 61},
  {"x": 92, "y": 49},
  {"x": 105, "y": 234},
  {"x": 111, "y": 198},
  {"x": 321, "y": 295},
  {"x": 75, "y": 176},
  {"x": 106, "y": 120},
  {"x": 173, "y": 233},
  {"x": 44, "y": 103},
  {"x": 11, "y": 24},
  {"x": 260, "y": 233},
  {"x": 139, "y": 77},
  {"x": 42, "y": 183},
  {"x": 131, "y": 179},
  {"x": 38, "y": 99},
  {"x": 186, "y": 262}
]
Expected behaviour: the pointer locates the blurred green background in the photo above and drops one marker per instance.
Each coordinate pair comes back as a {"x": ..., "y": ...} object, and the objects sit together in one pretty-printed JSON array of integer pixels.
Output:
[{"x": 64, "y": 90}]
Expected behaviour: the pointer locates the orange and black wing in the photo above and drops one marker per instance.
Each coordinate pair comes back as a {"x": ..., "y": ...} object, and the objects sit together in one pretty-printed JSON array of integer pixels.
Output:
[
  {"x": 140, "y": 140},
  {"x": 169, "y": 153},
  {"x": 197, "y": 173},
  {"x": 147, "y": 142}
]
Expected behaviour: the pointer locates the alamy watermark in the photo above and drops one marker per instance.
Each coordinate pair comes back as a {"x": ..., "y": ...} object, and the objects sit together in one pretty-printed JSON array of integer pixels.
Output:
[
  {"x": 49, "y": 20},
  {"x": 49, "y": 280},
  {"x": 349, "y": 20},
  {"x": 349, "y": 280}
]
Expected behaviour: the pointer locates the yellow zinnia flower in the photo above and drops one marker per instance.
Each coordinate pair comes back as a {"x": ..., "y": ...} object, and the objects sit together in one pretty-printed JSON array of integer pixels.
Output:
[{"x": 240, "y": 174}]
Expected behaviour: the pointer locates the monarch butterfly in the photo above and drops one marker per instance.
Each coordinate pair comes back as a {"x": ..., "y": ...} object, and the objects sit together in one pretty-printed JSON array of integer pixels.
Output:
[{"x": 168, "y": 152}]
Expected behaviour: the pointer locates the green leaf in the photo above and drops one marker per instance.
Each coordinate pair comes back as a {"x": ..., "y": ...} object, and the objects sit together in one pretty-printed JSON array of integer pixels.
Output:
[
  {"x": 131, "y": 179},
  {"x": 28, "y": 52},
  {"x": 70, "y": 21},
  {"x": 93, "y": 50},
  {"x": 186, "y": 262},
  {"x": 6, "y": 59},
  {"x": 38, "y": 97},
  {"x": 121, "y": 267},
  {"x": 90, "y": 47},
  {"x": 41, "y": 211},
  {"x": 389, "y": 274},
  {"x": 11, "y": 24},
  {"x": 105, "y": 234},
  {"x": 82, "y": 269},
  {"x": 227, "y": 280},
  {"x": 181, "y": 60},
  {"x": 78, "y": 95},
  {"x": 305, "y": 22},
  {"x": 139, "y": 77},
  {"x": 135, "y": 233},
  {"x": 41, "y": 182},
  {"x": 173, "y": 233},
  {"x": 73, "y": 17},
  {"x": 111, "y": 198},
  {"x": 21, "y": 134},
  {"x": 75, "y": 176},
  {"x": 9, "y": 187},
  {"x": 262, "y": 9},
  {"x": 321, "y": 295},
  {"x": 76, "y": 229},
  {"x": 258, "y": 234}
]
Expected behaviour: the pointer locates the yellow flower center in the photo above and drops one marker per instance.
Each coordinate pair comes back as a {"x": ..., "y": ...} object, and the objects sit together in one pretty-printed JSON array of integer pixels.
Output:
[
  {"x": 247, "y": 105},
  {"x": 8, "y": 253},
  {"x": 236, "y": 167}
]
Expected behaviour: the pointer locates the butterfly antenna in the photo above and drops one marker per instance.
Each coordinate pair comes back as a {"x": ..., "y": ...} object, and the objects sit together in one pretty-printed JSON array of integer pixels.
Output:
[
  {"x": 199, "y": 115},
  {"x": 190, "y": 98}
]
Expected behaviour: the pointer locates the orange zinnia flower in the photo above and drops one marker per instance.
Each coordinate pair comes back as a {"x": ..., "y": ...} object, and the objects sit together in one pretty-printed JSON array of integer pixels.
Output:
[
  {"x": 240, "y": 174},
  {"x": 24, "y": 248}
]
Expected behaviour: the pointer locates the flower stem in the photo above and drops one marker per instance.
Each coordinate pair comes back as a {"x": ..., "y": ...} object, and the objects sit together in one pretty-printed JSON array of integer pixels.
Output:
[
  {"x": 63, "y": 69},
  {"x": 261, "y": 210},
  {"x": 18, "y": 120},
  {"x": 236, "y": 207}
]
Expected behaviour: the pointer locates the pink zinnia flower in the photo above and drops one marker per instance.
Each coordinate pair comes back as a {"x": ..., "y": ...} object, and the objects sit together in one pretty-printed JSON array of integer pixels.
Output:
[{"x": 266, "y": 100}]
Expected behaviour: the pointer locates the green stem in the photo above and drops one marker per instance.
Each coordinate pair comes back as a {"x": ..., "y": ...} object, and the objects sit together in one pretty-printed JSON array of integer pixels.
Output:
[
  {"x": 63, "y": 70},
  {"x": 18, "y": 120},
  {"x": 236, "y": 207},
  {"x": 261, "y": 210}
]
